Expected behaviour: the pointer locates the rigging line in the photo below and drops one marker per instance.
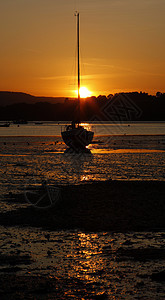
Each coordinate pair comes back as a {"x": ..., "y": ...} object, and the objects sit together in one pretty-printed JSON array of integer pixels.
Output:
[
  {"x": 72, "y": 77},
  {"x": 72, "y": 82},
  {"x": 82, "y": 67}
]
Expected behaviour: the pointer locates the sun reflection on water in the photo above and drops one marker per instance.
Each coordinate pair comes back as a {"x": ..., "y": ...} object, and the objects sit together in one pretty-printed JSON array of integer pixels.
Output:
[{"x": 88, "y": 266}]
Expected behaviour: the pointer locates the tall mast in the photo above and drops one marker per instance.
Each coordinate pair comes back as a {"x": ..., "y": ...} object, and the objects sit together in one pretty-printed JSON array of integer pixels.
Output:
[
  {"x": 78, "y": 67},
  {"x": 78, "y": 53}
]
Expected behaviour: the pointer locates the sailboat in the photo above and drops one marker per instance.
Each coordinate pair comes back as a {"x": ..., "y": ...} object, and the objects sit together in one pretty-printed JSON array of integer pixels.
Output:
[{"x": 75, "y": 136}]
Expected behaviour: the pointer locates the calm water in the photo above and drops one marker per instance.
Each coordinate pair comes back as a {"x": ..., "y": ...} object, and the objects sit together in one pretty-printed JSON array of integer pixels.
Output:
[
  {"x": 32, "y": 153},
  {"x": 99, "y": 128}
]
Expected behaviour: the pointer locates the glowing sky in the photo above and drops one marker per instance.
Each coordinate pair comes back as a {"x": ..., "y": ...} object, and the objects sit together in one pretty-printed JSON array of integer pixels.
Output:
[{"x": 122, "y": 46}]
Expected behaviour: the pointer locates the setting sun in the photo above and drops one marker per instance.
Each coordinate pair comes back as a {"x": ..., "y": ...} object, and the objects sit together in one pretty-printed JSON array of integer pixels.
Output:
[{"x": 84, "y": 92}]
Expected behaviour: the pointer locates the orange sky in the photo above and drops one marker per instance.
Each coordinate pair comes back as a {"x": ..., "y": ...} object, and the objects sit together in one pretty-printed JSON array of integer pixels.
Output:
[{"x": 122, "y": 46}]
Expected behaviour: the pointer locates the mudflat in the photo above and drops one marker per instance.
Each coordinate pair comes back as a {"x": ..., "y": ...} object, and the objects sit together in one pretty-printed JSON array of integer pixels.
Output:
[{"x": 98, "y": 206}]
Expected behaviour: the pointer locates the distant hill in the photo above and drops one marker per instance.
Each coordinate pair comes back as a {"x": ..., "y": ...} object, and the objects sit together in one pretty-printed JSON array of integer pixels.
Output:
[{"x": 9, "y": 98}]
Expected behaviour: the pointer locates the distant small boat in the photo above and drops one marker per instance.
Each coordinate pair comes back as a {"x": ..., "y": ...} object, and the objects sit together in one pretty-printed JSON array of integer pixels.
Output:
[
  {"x": 38, "y": 123},
  {"x": 20, "y": 122},
  {"x": 5, "y": 125}
]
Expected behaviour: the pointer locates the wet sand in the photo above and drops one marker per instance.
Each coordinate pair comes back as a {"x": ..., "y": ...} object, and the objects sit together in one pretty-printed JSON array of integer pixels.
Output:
[
  {"x": 38, "y": 287},
  {"x": 101, "y": 240},
  {"x": 99, "y": 206},
  {"x": 126, "y": 271}
]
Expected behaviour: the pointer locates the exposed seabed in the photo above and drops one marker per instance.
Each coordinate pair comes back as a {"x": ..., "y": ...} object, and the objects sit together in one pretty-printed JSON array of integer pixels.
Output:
[{"x": 77, "y": 150}]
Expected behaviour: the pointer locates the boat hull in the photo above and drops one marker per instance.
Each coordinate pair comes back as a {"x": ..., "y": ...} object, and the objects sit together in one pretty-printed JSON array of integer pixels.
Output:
[{"x": 77, "y": 138}]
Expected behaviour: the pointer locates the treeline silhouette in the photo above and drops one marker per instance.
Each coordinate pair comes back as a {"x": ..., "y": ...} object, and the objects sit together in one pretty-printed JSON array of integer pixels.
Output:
[{"x": 133, "y": 106}]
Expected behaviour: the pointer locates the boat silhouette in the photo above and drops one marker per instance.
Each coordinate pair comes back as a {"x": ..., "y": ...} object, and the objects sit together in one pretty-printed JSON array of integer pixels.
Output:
[{"x": 75, "y": 136}]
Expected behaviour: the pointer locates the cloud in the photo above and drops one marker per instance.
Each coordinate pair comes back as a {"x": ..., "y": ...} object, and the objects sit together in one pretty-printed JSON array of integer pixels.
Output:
[
  {"x": 61, "y": 77},
  {"x": 90, "y": 76}
]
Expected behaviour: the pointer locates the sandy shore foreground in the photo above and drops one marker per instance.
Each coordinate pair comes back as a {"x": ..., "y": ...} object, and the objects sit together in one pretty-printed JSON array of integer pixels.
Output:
[{"x": 98, "y": 206}]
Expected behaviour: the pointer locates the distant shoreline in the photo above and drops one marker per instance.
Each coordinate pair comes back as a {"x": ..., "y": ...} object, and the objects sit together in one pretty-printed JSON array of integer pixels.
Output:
[{"x": 130, "y": 106}]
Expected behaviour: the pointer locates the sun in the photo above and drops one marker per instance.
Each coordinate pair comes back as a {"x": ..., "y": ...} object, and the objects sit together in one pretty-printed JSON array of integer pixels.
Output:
[{"x": 84, "y": 92}]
